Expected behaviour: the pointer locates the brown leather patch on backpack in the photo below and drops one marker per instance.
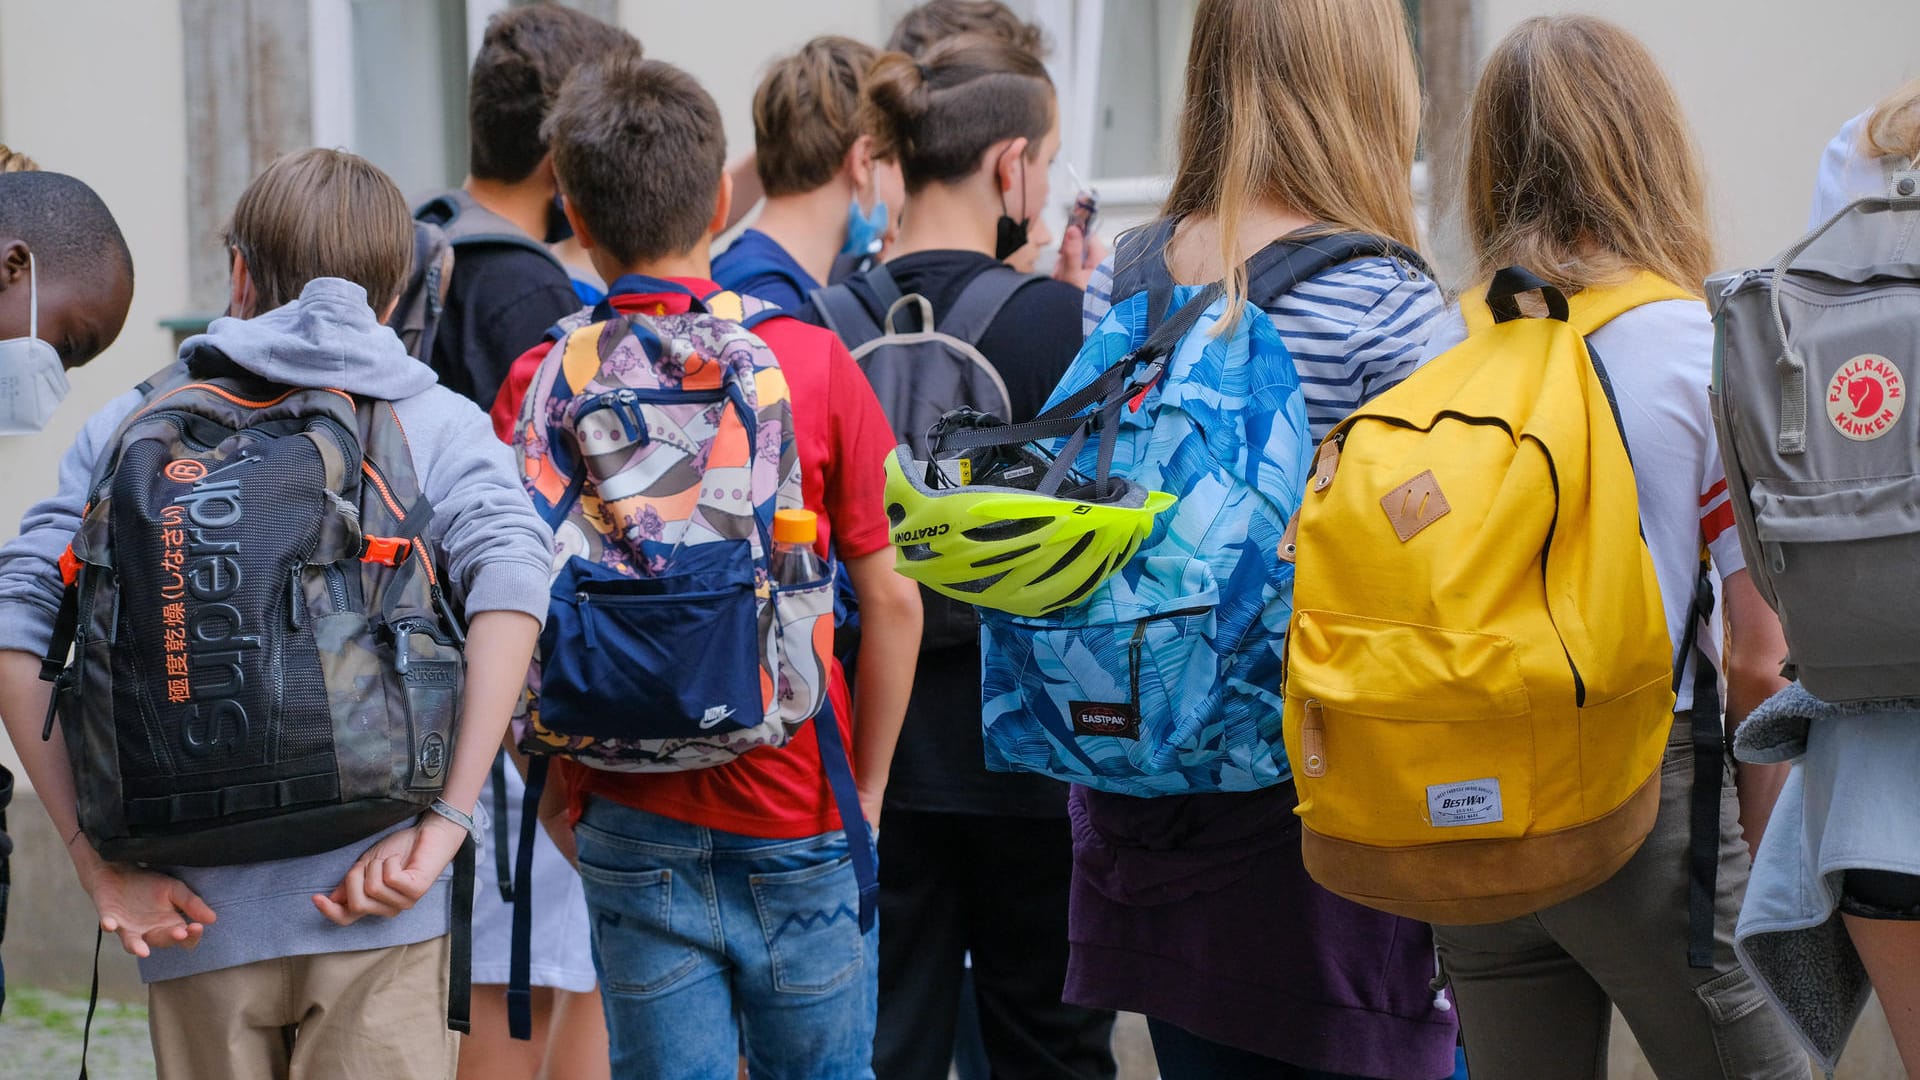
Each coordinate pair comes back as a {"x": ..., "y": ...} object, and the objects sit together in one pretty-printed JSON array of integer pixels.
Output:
[{"x": 1415, "y": 505}]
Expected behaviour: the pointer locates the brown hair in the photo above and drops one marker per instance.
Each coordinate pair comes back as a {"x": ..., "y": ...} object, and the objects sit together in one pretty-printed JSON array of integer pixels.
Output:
[
  {"x": 1309, "y": 104},
  {"x": 931, "y": 23},
  {"x": 937, "y": 115},
  {"x": 1894, "y": 128},
  {"x": 806, "y": 114},
  {"x": 12, "y": 160},
  {"x": 639, "y": 151},
  {"x": 322, "y": 213},
  {"x": 524, "y": 59},
  {"x": 1579, "y": 165}
]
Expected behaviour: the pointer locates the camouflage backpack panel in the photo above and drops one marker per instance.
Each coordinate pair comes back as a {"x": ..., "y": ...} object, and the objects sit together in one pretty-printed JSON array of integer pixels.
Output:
[
  {"x": 635, "y": 423},
  {"x": 251, "y": 680}
]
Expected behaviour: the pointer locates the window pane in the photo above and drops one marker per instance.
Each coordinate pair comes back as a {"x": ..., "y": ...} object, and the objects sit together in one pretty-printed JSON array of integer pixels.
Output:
[
  {"x": 410, "y": 78},
  {"x": 1143, "y": 55}
]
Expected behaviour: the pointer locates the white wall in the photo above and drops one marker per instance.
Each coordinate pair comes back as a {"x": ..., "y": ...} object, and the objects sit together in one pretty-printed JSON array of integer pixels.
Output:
[
  {"x": 94, "y": 88},
  {"x": 1766, "y": 84},
  {"x": 728, "y": 44}
]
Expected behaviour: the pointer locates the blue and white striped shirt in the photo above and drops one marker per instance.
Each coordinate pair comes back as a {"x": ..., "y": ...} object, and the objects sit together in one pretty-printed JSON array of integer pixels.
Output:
[{"x": 1354, "y": 331}]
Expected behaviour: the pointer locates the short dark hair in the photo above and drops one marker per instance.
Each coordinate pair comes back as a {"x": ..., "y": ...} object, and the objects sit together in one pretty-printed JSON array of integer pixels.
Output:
[
  {"x": 931, "y": 23},
  {"x": 938, "y": 114},
  {"x": 806, "y": 114},
  {"x": 639, "y": 152},
  {"x": 524, "y": 59},
  {"x": 322, "y": 213},
  {"x": 64, "y": 223}
]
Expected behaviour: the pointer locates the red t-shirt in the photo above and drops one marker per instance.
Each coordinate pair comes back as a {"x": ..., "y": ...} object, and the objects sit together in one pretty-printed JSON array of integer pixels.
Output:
[{"x": 843, "y": 439}]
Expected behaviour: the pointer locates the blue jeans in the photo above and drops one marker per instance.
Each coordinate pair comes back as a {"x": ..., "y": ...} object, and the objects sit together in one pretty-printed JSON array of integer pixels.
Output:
[{"x": 707, "y": 940}]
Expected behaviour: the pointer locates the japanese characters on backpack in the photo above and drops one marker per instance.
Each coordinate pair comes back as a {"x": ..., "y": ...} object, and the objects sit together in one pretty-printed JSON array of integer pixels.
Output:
[{"x": 1156, "y": 673}]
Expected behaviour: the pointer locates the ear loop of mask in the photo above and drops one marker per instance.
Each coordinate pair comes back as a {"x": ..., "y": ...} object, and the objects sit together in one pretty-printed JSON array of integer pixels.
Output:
[{"x": 33, "y": 297}]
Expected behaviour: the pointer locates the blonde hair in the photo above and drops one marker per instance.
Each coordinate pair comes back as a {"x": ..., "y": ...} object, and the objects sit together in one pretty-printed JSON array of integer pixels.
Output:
[
  {"x": 322, "y": 213},
  {"x": 12, "y": 160},
  {"x": 806, "y": 114},
  {"x": 1579, "y": 164},
  {"x": 1309, "y": 104},
  {"x": 1894, "y": 128}
]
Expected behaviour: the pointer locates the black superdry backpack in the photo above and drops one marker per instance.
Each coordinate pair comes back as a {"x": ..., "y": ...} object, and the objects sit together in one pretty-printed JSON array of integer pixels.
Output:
[{"x": 263, "y": 665}]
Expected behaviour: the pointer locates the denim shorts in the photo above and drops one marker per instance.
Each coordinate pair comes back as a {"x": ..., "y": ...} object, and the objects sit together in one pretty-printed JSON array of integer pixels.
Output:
[{"x": 706, "y": 941}]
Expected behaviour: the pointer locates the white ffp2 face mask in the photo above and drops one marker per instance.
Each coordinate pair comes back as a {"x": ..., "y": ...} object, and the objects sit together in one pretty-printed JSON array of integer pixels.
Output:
[{"x": 33, "y": 382}]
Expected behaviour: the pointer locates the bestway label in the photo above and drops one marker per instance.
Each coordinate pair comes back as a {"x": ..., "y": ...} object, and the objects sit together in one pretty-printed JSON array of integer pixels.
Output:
[{"x": 1468, "y": 802}]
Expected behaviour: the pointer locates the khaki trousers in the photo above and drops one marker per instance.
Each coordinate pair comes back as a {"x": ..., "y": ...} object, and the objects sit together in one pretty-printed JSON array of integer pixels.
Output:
[
  {"x": 1536, "y": 994},
  {"x": 369, "y": 1015}
]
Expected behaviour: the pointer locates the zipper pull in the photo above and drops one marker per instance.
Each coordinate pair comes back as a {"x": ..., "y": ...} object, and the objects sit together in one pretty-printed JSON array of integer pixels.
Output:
[
  {"x": 586, "y": 621},
  {"x": 1313, "y": 740},
  {"x": 1327, "y": 461}
]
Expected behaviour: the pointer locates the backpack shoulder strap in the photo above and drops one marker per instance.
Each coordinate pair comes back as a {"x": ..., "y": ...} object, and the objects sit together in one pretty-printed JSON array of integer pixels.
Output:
[
  {"x": 467, "y": 223},
  {"x": 1590, "y": 308},
  {"x": 980, "y": 302},
  {"x": 1278, "y": 268},
  {"x": 1140, "y": 264},
  {"x": 845, "y": 315}
]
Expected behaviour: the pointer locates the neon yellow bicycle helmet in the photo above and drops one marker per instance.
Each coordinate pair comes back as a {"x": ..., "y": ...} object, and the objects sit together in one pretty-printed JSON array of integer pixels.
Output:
[{"x": 998, "y": 543}]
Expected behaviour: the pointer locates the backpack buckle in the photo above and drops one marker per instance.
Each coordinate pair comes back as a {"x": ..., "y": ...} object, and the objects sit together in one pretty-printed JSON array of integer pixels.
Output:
[{"x": 385, "y": 550}]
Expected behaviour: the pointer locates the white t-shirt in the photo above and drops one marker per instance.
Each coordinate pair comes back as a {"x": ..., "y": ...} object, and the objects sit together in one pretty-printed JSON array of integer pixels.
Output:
[
  {"x": 1660, "y": 358},
  {"x": 1846, "y": 172}
]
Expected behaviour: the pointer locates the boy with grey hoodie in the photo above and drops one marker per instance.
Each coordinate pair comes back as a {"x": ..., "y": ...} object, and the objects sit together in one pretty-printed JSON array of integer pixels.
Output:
[{"x": 337, "y": 963}]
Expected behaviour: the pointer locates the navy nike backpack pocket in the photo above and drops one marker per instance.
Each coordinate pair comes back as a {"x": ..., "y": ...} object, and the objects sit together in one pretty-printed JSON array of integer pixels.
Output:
[{"x": 667, "y": 657}]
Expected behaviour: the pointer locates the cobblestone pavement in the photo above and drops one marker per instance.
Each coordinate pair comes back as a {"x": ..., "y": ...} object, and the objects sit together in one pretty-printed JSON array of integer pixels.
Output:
[{"x": 40, "y": 1038}]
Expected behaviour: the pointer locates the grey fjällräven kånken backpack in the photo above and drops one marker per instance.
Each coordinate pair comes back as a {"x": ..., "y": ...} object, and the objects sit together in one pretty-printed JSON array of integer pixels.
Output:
[
  {"x": 921, "y": 369},
  {"x": 1813, "y": 360}
]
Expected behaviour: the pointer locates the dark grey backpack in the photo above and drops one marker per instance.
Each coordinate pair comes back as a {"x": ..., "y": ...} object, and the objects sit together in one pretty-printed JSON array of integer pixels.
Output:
[
  {"x": 1815, "y": 354},
  {"x": 442, "y": 225},
  {"x": 921, "y": 369}
]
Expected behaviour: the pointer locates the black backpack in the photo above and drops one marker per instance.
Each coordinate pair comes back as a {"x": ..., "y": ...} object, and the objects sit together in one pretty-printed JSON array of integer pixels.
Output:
[
  {"x": 263, "y": 664},
  {"x": 442, "y": 225},
  {"x": 921, "y": 369}
]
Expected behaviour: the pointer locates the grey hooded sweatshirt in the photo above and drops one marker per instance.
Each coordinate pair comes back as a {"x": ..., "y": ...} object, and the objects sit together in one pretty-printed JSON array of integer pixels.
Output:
[{"x": 495, "y": 551}]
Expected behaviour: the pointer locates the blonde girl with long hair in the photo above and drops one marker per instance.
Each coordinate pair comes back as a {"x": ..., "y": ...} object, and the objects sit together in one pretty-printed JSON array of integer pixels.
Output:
[
  {"x": 1580, "y": 168},
  {"x": 1301, "y": 116}
]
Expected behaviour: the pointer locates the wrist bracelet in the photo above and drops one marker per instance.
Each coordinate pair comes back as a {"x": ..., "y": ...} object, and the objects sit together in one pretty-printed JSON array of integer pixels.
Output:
[{"x": 456, "y": 815}]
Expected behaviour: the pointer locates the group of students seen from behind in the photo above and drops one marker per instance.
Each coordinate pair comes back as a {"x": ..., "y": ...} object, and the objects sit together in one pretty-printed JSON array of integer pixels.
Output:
[{"x": 549, "y": 724}]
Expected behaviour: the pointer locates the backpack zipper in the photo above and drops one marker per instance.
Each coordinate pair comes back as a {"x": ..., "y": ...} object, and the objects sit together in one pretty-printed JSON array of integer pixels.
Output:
[
  {"x": 337, "y": 588},
  {"x": 1137, "y": 646}
]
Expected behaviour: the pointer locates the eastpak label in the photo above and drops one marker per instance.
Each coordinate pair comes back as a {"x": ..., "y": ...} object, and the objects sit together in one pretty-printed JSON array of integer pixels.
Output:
[
  {"x": 1468, "y": 802},
  {"x": 1118, "y": 720}
]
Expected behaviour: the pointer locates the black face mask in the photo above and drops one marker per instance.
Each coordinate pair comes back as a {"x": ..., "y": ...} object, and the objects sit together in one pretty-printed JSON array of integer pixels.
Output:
[
  {"x": 558, "y": 227},
  {"x": 1010, "y": 235}
]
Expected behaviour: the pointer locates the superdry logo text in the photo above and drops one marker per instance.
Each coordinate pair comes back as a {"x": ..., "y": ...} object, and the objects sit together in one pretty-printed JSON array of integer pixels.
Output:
[{"x": 201, "y": 557}]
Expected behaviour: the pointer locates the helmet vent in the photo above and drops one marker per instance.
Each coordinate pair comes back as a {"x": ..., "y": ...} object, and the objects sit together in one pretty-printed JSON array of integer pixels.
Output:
[
  {"x": 1007, "y": 556},
  {"x": 978, "y": 585},
  {"x": 1010, "y": 529},
  {"x": 918, "y": 552},
  {"x": 1080, "y": 546}
]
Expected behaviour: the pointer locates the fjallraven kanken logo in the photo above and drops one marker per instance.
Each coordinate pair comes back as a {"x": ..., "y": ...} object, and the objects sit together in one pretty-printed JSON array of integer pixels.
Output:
[
  {"x": 1866, "y": 397},
  {"x": 1479, "y": 679}
]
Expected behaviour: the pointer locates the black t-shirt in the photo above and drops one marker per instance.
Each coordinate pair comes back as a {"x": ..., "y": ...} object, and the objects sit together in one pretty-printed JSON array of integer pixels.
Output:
[
  {"x": 500, "y": 303},
  {"x": 939, "y": 765}
]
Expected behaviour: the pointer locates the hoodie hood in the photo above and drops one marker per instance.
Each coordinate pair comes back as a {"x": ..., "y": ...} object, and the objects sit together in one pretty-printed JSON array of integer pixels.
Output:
[{"x": 329, "y": 338}]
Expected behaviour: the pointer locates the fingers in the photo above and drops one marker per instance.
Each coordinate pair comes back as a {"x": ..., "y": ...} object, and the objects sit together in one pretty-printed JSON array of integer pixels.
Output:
[
  {"x": 378, "y": 885},
  {"x": 130, "y": 940},
  {"x": 188, "y": 903},
  {"x": 334, "y": 909}
]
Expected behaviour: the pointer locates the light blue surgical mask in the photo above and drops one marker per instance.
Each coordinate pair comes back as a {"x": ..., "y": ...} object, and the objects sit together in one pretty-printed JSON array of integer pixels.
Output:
[
  {"x": 33, "y": 382},
  {"x": 866, "y": 229}
]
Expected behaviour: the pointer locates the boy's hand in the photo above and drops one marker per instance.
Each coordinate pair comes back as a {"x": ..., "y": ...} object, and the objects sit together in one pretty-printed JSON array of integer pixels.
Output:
[
  {"x": 1080, "y": 256},
  {"x": 392, "y": 875},
  {"x": 147, "y": 910}
]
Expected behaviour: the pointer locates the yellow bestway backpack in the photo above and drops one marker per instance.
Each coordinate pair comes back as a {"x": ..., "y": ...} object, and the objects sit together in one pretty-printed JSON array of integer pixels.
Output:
[{"x": 1479, "y": 681}]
